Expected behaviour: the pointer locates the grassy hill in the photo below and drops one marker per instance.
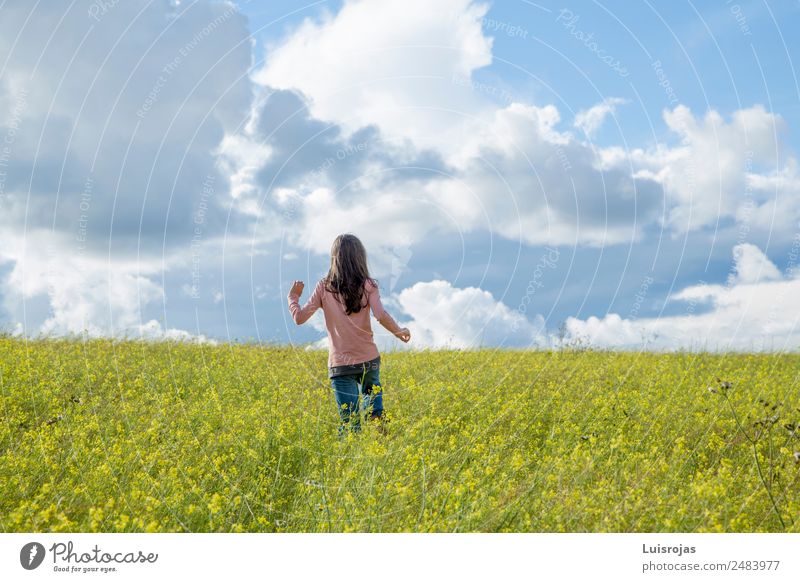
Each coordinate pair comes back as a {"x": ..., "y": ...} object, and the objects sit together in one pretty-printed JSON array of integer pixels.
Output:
[{"x": 132, "y": 436}]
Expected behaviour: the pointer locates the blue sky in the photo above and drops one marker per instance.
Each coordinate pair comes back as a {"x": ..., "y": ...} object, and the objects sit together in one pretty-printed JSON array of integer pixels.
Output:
[{"x": 624, "y": 171}]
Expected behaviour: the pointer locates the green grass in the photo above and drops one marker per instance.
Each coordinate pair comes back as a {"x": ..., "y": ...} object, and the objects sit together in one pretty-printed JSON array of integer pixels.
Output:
[{"x": 131, "y": 436}]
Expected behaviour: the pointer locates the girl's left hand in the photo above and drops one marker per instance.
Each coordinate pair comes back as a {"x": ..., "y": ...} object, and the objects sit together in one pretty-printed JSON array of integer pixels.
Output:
[{"x": 297, "y": 288}]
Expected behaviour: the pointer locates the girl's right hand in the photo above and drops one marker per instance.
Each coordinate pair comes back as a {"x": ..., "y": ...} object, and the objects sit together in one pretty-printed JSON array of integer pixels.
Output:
[
  {"x": 403, "y": 334},
  {"x": 297, "y": 289}
]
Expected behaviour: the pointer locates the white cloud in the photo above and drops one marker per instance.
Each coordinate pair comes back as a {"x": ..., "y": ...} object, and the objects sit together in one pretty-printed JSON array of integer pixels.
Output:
[
  {"x": 83, "y": 293},
  {"x": 389, "y": 220},
  {"x": 240, "y": 158},
  {"x": 513, "y": 174},
  {"x": 540, "y": 185},
  {"x": 153, "y": 330},
  {"x": 774, "y": 209},
  {"x": 751, "y": 265},
  {"x": 445, "y": 316},
  {"x": 706, "y": 176},
  {"x": 386, "y": 63},
  {"x": 509, "y": 170},
  {"x": 112, "y": 170},
  {"x": 111, "y": 109},
  {"x": 757, "y": 310},
  {"x": 590, "y": 120}
]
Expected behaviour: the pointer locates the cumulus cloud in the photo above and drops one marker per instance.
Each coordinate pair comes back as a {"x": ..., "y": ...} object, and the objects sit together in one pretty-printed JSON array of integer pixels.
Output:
[
  {"x": 377, "y": 62},
  {"x": 514, "y": 174},
  {"x": 590, "y": 120},
  {"x": 153, "y": 330},
  {"x": 49, "y": 292},
  {"x": 83, "y": 294},
  {"x": 510, "y": 170},
  {"x": 115, "y": 119},
  {"x": 138, "y": 126},
  {"x": 773, "y": 209},
  {"x": 752, "y": 266},
  {"x": 316, "y": 179},
  {"x": 540, "y": 185},
  {"x": 708, "y": 176},
  {"x": 756, "y": 310},
  {"x": 441, "y": 315}
]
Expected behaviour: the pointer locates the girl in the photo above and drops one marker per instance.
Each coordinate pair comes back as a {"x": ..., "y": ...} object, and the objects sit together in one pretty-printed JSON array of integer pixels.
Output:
[{"x": 346, "y": 295}]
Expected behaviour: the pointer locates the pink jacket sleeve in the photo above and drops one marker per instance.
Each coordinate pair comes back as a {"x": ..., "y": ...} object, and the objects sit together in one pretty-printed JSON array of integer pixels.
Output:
[
  {"x": 383, "y": 317},
  {"x": 302, "y": 314}
]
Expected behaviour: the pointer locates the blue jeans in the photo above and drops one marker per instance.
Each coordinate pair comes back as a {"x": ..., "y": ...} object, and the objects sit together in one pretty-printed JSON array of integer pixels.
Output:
[{"x": 346, "y": 390}]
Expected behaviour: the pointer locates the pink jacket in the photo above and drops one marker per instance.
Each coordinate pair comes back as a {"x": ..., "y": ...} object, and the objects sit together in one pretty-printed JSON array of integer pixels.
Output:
[{"x": 349, "y": 336}]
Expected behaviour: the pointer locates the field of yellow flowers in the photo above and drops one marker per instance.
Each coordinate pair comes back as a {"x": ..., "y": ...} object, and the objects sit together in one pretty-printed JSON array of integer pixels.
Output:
[{"x": 129, "y": 436}]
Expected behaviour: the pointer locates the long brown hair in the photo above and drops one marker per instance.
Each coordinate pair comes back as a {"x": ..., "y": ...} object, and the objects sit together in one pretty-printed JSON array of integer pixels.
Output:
[{"x": 348, "y": 273}]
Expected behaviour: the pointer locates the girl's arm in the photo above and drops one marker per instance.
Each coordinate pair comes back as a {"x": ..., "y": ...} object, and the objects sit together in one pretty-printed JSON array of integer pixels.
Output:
[
  {"x": 383, "y": 316},
  {"x": 301, "y": 314}
]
